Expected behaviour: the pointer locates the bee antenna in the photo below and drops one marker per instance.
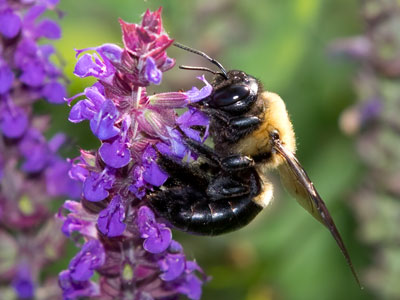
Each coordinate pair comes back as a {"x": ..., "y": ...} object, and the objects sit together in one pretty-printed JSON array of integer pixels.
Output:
[
  {"x": 200, "y": 69},
  {"x": 212, "y": 60}
]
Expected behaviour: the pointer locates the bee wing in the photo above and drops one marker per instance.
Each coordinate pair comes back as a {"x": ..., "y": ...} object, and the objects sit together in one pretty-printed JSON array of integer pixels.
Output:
[{"x": 297, "y": 182}]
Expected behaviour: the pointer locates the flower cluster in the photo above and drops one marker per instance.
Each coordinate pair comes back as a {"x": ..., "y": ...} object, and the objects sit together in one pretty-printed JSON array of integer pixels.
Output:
[
  {"x": 31, "y": 171},
  {"x": 124, "y": 241}
]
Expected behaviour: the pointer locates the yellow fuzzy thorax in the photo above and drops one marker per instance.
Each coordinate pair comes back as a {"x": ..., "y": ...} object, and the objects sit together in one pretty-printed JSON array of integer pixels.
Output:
[{"x": 275, "y": 118}]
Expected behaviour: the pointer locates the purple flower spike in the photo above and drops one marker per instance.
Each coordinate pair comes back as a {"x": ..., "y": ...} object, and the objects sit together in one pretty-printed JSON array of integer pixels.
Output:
[
  {"x": 14, "y": 123},
  {"x": 90, "y": 258},
  {"x": 110, "y": 221},
  {"x": 153, "y": 74},
  {"x": 102, "y": 124},
  {"x": 6, "y": 78},
  {"x": 157, "y": 236},
  {"x": 96, "y": 186},
  {"x": 116, "y": 154},
  {"x": 133, "y": 126},
  {"x": 10, "y": 23},
  {"x": 32, "y": 172}
]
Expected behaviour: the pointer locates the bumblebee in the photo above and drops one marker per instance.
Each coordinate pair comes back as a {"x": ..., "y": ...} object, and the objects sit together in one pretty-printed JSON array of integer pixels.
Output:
[{"x": 228, "y": 185}]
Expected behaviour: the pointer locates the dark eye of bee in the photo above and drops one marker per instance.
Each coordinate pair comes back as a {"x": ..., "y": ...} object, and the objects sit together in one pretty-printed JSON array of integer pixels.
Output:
[{"x": 230, "y": 95}]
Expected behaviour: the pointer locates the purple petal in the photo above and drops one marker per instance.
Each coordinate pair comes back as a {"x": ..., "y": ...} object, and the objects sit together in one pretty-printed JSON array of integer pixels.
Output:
[
  {"x": 78, "y": 220},
  {"x": 72, "y": 224},
  {"x": 73, "y": 289},
  {"x": 193, "y": 117},
  {"x": 56, "y": 142},
  {"x": 86, "y": 66},
  {"x": 152, "y": 173},
  {"x": 111, "y": 220},
  {"x": 80, "y": 111},
  {"x": 157, "y": 236},
  {"x": 178, "y": 148},
  {"x": 58, "y": 183},
  {"x": 115, "y": 155},
  {"x": 96, "y": 95},
  {"x": 102, "y": 124},
  {"x": 138, "y": 188},
  {"x": 49, "y": 29},
  {"x": 195, "y": 95},
  {"x": 153, "y": 74},
  {"x": 6, "y": 78},
  {"x": 172, "y": 266},
  {"x": 51, "y": 4},
  {"x": 13, "y": 124},
  {"x": 96, "y": 186},
  {"x": 33, "y": 13},
  {"x": 90, "y": 258},
  {"x": 10, "y": 23},
  {"x": 54, "y": 92},
  {"x": 35, "y": 150},
  {"x": 33, "y": 74},
  {"x": 26, "y": 50},
  {"x": 159, "y": 241},
  {"x": 23, "y": 283},
  {"x": 78, "y": 172},
  {"x": 111, "y": 52},
  {"x": 91, "y": 65},
  {"x": 370, "y": 109},
  {"x": 191, "y": 287}
]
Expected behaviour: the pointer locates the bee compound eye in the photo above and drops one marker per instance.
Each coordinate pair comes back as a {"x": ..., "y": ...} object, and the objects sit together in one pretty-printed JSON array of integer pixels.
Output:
[{"x": 229, "y": 95}]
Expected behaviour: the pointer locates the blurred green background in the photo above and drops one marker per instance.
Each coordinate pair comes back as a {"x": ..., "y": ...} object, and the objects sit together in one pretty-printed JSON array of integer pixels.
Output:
[{"x": 284, "y": 253}]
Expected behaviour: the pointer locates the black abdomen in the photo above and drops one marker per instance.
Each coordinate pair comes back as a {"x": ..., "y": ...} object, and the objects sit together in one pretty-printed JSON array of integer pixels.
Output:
[{"x": 188, "y": 209}]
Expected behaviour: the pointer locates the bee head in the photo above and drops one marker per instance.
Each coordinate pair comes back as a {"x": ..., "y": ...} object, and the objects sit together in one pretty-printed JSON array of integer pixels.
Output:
[{"x": 234, "y": 91}]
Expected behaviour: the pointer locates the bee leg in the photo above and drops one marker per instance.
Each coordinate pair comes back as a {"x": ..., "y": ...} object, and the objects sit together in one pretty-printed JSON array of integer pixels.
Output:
[
  {"x": 226, "y": 187},
  {"x": 236, "y": 162},
  {"x": 184, "y": 172},
  {"x": 228, "y": 163},
  {"x": 244, "y": 125},
  {"x": 237, "y": 123}
]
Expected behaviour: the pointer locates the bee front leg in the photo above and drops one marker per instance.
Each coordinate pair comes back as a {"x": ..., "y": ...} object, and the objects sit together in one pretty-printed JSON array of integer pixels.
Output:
[{"x": 229, "y": 163}]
